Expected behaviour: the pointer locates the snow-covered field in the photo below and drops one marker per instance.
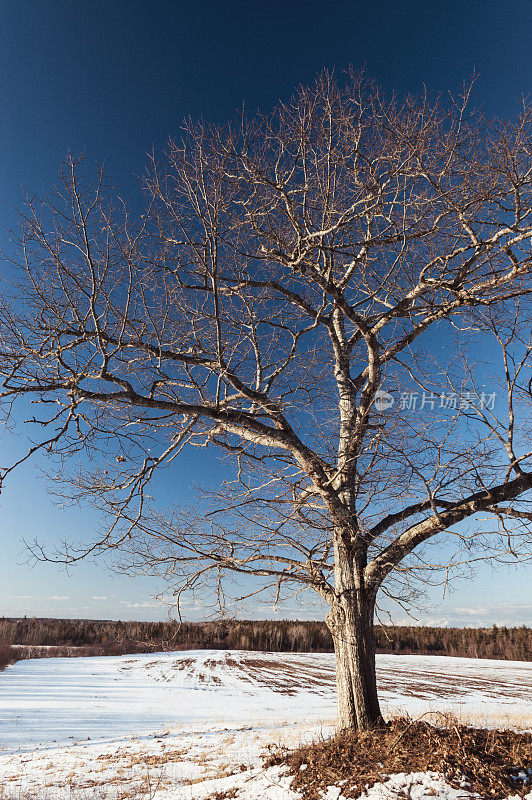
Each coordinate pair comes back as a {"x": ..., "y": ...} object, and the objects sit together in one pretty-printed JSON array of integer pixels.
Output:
[{"x": 193, "y": 723}]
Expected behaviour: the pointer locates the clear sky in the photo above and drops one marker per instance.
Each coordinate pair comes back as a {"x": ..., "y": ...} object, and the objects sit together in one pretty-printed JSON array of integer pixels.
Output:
[{"x": 115, "y": 78}]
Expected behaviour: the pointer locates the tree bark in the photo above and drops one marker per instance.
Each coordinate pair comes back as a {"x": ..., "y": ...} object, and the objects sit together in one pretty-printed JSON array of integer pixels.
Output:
[
  {"x": 354, "y": 647},
  {"x": 350, "y": 621}
]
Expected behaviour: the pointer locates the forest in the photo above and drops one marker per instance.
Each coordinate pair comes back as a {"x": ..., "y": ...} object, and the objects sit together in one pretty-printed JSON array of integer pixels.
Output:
[{"x": 38, "y": 637}]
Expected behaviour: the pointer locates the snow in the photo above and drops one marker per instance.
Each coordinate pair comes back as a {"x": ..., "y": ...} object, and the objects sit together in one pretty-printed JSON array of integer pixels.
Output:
[
  {"x": 415, "y": 786},
  {"x": 193, "y": 723}
]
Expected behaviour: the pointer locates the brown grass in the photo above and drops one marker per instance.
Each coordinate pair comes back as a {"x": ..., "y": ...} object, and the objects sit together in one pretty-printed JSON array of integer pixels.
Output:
[{"x": 485, "y": 759}]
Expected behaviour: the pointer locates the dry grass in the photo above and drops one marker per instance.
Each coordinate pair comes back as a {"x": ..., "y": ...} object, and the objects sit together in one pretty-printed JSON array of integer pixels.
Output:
[
  {"x": 488, "y": 760},
  {"x": 142, "y": 759}
]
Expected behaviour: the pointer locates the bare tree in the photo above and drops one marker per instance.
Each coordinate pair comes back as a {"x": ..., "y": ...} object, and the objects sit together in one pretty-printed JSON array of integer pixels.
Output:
[{"x": 295, "y": 281}]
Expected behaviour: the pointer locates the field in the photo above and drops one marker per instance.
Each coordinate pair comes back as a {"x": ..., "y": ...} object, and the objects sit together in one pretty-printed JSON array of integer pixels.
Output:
[{"x": 192, "y": 724}]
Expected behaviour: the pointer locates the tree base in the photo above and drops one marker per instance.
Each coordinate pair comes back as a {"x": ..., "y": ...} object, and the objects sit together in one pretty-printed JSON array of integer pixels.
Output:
[{"x": 402, "y": 745}]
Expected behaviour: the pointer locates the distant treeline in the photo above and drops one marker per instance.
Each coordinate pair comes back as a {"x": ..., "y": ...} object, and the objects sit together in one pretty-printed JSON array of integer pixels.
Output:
[{"x": 107, "y": 637}]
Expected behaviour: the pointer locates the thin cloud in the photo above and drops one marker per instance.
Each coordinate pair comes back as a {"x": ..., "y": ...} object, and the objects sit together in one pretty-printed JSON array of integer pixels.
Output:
[
  {"x": 129, "y": 604},
  {"x": 23, "y": 597},
  {"x": 481, "y": 615}
]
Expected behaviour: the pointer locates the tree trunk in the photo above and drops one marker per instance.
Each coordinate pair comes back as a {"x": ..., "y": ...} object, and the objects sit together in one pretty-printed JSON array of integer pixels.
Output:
[
  {"x": 354, "y": 647},
  {"x": 350, "y": 621}
]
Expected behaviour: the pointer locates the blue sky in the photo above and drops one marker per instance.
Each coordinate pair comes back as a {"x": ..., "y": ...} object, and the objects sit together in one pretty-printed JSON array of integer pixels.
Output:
[{"x": 115, "y": 79}]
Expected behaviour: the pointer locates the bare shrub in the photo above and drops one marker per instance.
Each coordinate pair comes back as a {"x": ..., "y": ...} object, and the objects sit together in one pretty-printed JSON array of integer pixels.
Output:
[{"x": 8, "y": 655}]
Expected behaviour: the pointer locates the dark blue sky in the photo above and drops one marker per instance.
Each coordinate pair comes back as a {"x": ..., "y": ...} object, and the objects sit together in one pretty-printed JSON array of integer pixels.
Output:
[{"x": 115, "y": 78}]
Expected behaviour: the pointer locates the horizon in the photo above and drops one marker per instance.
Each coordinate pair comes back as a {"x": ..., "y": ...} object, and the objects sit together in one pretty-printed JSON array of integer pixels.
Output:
[{"x": 219, "y": 620}]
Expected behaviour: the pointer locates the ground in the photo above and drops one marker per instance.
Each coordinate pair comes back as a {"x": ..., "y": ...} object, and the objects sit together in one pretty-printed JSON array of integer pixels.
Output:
[{"x": 196, "y": 724}]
